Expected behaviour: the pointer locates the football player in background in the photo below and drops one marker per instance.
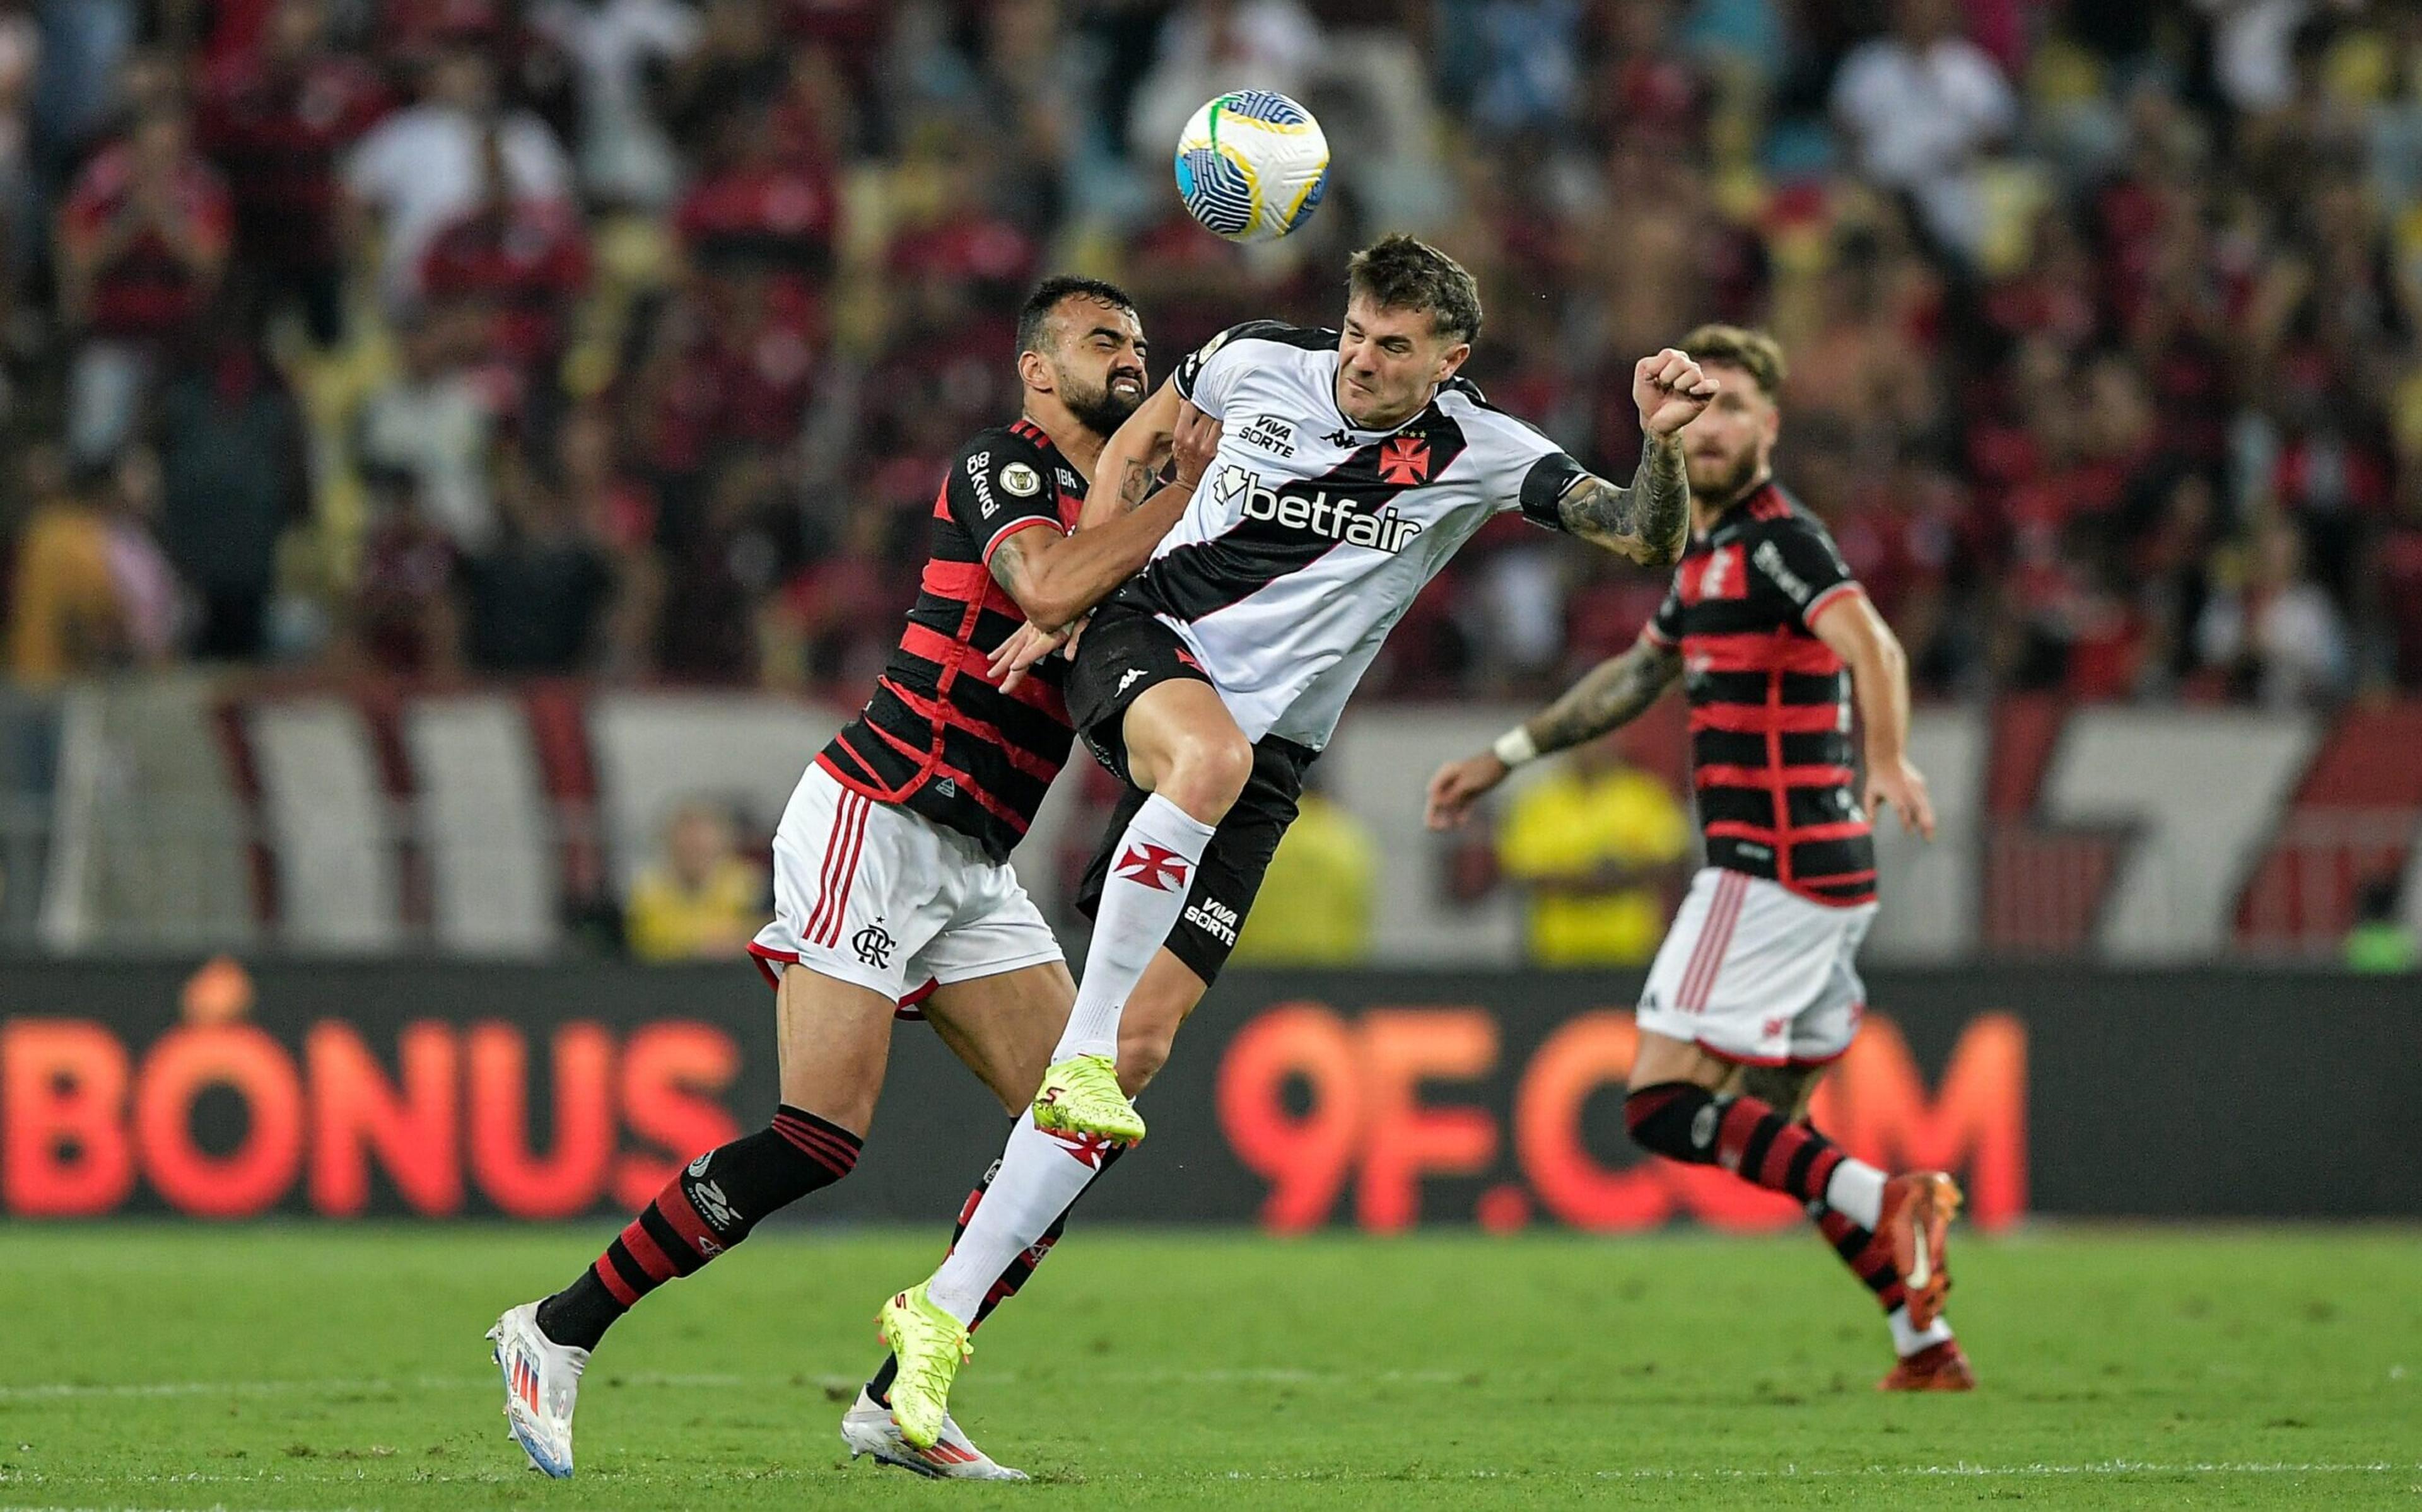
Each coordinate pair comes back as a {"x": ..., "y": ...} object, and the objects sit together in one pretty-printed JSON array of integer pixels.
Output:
[{"x": 1757, "y": 989}]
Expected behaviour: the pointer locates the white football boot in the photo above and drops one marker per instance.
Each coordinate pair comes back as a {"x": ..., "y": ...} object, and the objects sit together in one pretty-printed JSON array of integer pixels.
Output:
[
  {"x": 542, "y": 1385},
  {"x": 868, "y": 1428}
]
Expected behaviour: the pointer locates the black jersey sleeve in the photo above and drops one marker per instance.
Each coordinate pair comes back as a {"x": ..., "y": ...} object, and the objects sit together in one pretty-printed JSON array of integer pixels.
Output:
[
  {"x": 1203, "y": 375},
  {"x": 1001, "y": 484},
  {"x": 1796, "y": 559}
]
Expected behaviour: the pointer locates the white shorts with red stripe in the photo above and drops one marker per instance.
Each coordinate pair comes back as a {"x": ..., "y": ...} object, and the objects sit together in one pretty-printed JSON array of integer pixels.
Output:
[
  {"x": 1755, "y": 972},
  {"x": 884, "y": 898}
]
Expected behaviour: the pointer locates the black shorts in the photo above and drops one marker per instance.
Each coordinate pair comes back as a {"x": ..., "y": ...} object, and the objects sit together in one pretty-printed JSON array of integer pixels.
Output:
[
  {"x": 1126, "y": 652},
  {"x": 1123, "y": 640}
]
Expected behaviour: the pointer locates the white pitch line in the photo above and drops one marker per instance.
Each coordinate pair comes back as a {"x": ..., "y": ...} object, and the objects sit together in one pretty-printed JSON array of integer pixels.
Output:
[
  {"x": 216, "y": 1506},
  {"x": 2105, "y": 1467},
  {"x": 1251, "y": 1376},
  {"x": 58, "y": 1389}
]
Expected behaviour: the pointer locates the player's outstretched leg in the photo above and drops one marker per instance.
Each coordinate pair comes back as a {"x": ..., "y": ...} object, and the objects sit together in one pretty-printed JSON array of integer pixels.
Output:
[
  {"x": 709, "y": 1207},
  {"x": 1684, "y": 1121},
  {"x": 1183, "y": 748}
]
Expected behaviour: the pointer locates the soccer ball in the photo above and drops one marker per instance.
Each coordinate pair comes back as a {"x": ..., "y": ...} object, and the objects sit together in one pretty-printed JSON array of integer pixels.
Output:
[{"x": 1251, "y": 165}]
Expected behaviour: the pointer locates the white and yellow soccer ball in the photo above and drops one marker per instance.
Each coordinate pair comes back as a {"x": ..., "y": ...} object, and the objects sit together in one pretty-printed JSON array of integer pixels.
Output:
[{"x": 1251, "y": 165}]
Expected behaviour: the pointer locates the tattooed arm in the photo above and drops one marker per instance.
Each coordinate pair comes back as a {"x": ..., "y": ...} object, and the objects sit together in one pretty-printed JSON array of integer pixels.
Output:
[
  {"x": 1058, "y": 578},
  {"x": 1097, "y": 559},
  {"x": 1610, "y": 695},
  {"x": 1129, "y": 469},
  {"x": 1649, "y": 522}
]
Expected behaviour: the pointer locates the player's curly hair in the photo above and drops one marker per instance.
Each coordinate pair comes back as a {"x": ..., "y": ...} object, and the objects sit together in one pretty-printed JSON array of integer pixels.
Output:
[
  {"x": 1400, "y": 272},
  {"x": 1752, "y": 352},
  {"x": 1036, "y": 313}
]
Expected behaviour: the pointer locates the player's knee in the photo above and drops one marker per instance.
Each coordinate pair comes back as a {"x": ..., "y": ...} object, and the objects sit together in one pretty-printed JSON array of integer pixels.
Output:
[
  {"x": 1675, "y": 1119},
  {"x": 1207, "y": 772},
  {"x": 1784, "y": 1088},
  {"x": 1143, "y": 1050}
]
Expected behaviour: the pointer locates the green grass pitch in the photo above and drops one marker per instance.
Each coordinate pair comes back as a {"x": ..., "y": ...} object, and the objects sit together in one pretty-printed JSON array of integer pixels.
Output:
[{"x": 289, "y": 1367}]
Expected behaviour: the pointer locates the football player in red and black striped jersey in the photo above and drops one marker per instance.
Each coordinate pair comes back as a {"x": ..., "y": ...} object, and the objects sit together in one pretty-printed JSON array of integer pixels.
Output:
[
  {"x": 893, "y": 888},
  {"x": 1757, "y": 989}
]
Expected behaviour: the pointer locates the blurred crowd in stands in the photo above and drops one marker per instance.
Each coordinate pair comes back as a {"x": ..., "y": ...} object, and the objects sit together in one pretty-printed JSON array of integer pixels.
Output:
[{"x": 628, "y": 338}]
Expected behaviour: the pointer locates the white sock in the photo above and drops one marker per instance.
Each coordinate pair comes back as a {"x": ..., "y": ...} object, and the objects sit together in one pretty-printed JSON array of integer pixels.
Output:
[
  {"x": 1855, "y": 1191},
  {"x": 1906, "y": 1341},
  {"x": 1141, "y": 903},
  {"x": 1040, "y": 1176}
]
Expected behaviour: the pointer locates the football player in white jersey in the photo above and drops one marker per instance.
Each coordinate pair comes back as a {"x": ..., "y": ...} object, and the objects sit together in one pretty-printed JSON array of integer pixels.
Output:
[{"x": 1352, "y": 464}]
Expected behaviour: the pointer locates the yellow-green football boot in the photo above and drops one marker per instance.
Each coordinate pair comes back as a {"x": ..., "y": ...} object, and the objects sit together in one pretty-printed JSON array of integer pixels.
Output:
[
  {"x": 1080, "y": 1095},
  {"x": 929, "y": 1344}
]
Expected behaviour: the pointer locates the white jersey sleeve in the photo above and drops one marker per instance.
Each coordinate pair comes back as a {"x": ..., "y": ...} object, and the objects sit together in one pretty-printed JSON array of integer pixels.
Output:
[{"x": 1520, "y": 468}]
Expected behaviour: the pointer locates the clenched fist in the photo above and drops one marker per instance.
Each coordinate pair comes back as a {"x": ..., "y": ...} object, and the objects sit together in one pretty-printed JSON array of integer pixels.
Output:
[{"x": 1671, "y": 391}]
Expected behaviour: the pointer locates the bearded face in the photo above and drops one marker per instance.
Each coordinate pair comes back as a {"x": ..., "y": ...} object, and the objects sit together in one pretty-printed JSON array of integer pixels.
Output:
[
  {"x": 1102, "y": 404},
  {"x": 1725, "y": 449}
]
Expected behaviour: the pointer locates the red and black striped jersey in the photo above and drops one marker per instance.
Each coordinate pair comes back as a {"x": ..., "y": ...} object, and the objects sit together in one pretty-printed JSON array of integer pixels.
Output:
[
  {"x": 939, "y": 737},
  {"x": 1770, "y": 752}
]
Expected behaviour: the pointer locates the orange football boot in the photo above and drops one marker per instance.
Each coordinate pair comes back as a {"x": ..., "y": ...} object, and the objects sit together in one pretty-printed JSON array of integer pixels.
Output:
[
  {"x": 1938, "y": 1368},
  {"x": 1918, "y": 1208}
]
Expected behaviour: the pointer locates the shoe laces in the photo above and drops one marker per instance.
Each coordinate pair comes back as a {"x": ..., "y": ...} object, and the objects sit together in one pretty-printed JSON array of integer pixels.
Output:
[{"x": 927, "y": 1372}]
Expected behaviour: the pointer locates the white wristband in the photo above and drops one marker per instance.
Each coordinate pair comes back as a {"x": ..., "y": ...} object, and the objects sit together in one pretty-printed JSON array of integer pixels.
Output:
[{"x": 1515, "y": 747}]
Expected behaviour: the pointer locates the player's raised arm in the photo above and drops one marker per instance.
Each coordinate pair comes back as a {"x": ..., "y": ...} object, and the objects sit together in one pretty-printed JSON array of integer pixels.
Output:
[
  {"x": 1650, "y": 521},
  {"x": 1609, "y": 695},
  {"x": 1056, "y": 578},
  {"x": 1123, "y": 478},
  {"x": 1880, "y": 680},
  {"x": 1126, "y": 543}
]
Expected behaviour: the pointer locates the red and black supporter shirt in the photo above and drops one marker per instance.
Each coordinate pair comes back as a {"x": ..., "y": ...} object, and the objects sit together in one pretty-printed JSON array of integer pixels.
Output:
[
  {"x": 939, "y": 737},
  {"x": 146, "y": 289},
  {"x": 524, "y": 262},
  {"x": 277, "y": 134},
  {"x": 1770, "y": 751}
]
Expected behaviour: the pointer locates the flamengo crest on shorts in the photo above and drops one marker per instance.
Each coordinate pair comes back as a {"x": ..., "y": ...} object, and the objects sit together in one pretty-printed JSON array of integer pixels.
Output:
[{"x": 887, "y": 898}]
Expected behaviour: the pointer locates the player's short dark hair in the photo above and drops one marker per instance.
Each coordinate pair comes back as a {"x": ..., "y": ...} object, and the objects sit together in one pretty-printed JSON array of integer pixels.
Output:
[
  {"x": 1036, "y": 313},
  {"x": 1752, "y": 352},
  {"x": 1400, "y": 272}
]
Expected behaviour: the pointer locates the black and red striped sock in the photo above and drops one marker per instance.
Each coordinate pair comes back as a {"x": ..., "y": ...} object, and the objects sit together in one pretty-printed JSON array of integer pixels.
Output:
[
  {"x": 1020, "y": 1269},
  {"x": 1685, "y": 1122},
  {"x": 707, "y": 1209},
  {"x": 1868, "y": 1257}
]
